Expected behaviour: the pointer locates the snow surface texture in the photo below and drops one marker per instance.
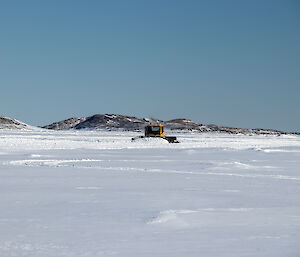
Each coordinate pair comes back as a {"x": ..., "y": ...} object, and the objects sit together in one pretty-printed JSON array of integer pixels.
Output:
[{"x": 79, "y": 193}]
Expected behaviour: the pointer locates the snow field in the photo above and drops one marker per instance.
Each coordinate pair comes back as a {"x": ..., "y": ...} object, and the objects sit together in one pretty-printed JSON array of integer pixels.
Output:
[{"x": 99, "y": 194}]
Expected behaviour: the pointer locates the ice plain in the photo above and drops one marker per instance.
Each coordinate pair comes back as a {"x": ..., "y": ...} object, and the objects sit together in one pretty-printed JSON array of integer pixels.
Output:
[{"x": 96, "y": 193}]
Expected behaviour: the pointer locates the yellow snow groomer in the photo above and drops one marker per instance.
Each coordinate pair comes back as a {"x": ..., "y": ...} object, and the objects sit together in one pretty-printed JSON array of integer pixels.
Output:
[{"x": 157, "y": 131}]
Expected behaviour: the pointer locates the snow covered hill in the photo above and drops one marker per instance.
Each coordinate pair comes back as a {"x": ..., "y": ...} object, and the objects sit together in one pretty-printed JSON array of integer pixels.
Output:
[
  {"x": 65, "y": 124},
  {"x": 129, "y": 123},
  {"x": 8, "y": 123},
  {"x": 102, "y": 121},
  {"x": 117, "y": 122}
]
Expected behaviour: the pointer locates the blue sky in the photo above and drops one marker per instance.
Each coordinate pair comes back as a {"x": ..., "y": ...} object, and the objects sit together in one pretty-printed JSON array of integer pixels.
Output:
[{"x": 234, "y": 63}]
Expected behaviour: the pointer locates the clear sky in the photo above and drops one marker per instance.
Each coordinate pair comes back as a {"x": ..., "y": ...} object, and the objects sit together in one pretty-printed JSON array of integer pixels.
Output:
[{"x": 234, "y": 63}]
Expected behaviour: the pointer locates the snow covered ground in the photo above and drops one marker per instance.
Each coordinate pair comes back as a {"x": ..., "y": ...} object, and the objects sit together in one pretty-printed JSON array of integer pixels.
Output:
[{"x": 92, "y": 194}]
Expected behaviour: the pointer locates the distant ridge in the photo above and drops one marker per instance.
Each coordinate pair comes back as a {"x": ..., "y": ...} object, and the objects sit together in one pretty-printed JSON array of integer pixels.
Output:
[
  {"x": 9, "y": 123},
  {"x": 130, "y": 123},
  {"x": 102, "y": 121},
  {"x": 65, "y": 124},
  {"x": 122, "y": 122}
]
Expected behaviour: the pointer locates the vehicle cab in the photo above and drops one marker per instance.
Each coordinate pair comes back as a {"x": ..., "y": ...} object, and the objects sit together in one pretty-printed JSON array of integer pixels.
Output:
[{"x": 154, "y": 131}]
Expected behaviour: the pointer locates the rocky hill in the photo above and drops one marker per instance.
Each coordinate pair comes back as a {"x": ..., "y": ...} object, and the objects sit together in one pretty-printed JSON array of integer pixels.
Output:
[
  {"x": 8, "y": 123},
  {"x": 102, "y": 121},
  {"x": 130, "y": 123},
  {"x": 116, "y": 121},
  {"x": 65, "y": 124}
]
